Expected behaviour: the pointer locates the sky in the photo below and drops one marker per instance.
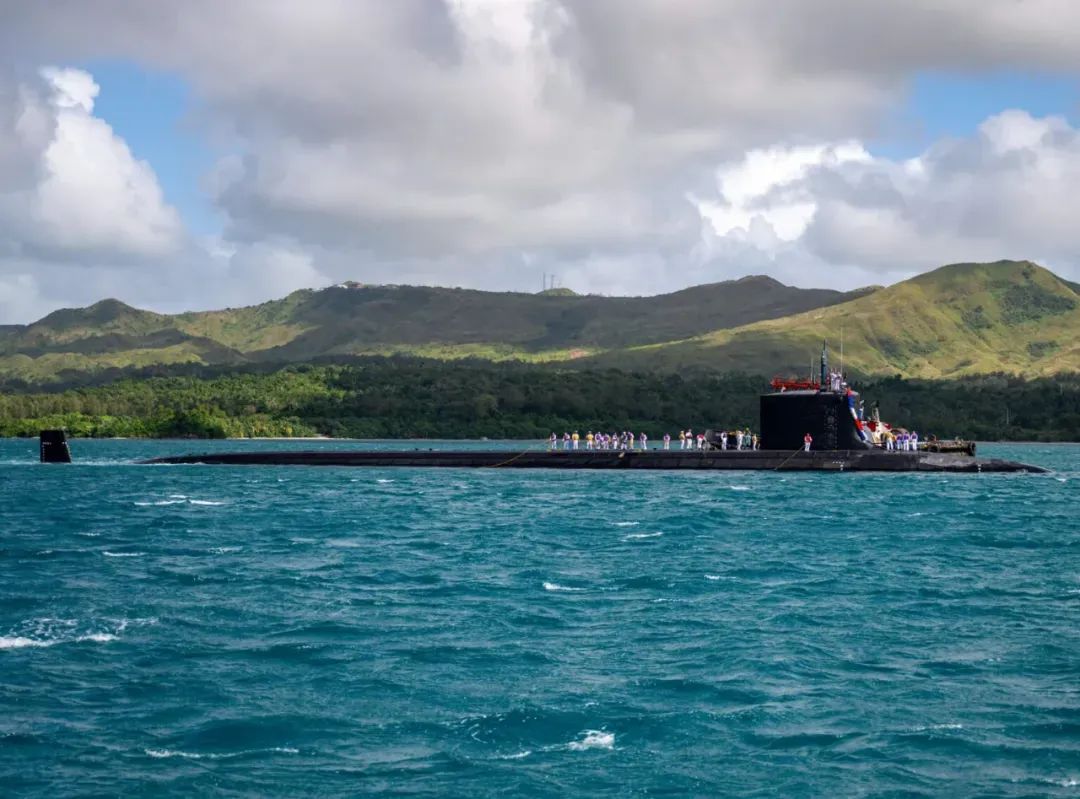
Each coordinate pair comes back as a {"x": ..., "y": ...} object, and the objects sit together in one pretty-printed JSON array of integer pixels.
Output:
[{"x": 204, "y": 155}]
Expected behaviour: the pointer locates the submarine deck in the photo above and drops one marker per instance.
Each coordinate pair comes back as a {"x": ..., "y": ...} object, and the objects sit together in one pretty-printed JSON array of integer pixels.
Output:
[{"x": 762, "y": 460}]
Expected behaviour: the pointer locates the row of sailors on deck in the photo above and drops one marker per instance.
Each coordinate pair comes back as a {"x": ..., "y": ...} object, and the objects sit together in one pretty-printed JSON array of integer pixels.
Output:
[
  {"x": 742, "y": 439},
  {"x": 623, "y": 440},
  {"x": 904, "y": 442}
]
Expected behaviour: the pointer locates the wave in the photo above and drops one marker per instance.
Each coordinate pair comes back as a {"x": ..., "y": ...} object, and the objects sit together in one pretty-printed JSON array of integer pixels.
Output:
[
  {"x": 177, "y": 499},
  {"x": 21, "y": 642},
  {"x": 556, "y": 587},
  {"x": 108, "y": 554},
  {"x": 593, "y": 739},
  {"x": 166, "y": 753},
  {"x": 46, "y": 632},
  {"x": 516, "y": 755},
  {"x": 739, "y": 488},
  {"x": 626, "y": 524},
  {"x": 637, "y": 536}
]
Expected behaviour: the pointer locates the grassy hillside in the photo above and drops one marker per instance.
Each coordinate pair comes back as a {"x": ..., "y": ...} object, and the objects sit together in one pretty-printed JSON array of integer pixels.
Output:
[
  {"x": 960, "y": 319},
  {"x": 384, "y": 320}
]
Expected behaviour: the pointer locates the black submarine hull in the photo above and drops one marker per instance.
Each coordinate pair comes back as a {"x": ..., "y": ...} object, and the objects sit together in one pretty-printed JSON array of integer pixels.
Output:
[{"x": 862, "y": 460}]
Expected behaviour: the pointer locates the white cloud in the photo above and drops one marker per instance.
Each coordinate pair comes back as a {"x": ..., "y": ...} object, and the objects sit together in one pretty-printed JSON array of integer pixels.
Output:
[
  {"x": 1004, "y": 192},
  {"x": 764, "y": 187},
  {"x": 482, "y": 142},
  {"x": 84, "y": 194}
]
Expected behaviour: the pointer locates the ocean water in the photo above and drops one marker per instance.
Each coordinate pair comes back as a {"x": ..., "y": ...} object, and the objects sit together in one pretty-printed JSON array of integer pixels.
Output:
[{"x": 292, "y": 631}]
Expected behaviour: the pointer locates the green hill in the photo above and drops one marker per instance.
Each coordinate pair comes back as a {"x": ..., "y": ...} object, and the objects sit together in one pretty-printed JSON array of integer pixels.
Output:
[
  {"x": 352, "y": 319},
  {"x": 957, "y": 320},
  {"x": 1009, "y": 316}
]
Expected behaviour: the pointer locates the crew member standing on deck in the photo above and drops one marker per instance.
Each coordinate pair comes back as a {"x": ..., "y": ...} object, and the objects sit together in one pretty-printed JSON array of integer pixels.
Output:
[
  {"x": 553, "y": 442},
  {"x": 644, "y": 441},
  {"x": 575, "y": 438},
  {"x": 723, "y": 439},
  {"x": 807, "y": 440},
  {"x": 682, "y": 439},
  {"x": 667, "y": 440},
  {"x": 565, "y": 441}
]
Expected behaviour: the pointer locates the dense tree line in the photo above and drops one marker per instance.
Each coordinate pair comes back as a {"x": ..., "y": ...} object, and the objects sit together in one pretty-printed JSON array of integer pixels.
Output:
[{"x": 406, "y": 397}]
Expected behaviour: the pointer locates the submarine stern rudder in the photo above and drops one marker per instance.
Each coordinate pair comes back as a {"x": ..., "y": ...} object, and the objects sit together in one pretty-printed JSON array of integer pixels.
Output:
[{"x": 54, "y": 446}]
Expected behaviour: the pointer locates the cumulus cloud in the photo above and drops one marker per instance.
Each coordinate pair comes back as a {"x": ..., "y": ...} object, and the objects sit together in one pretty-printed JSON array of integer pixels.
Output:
[
  {"x": 482, "y": 142},
  {"x": 1003, "y": 192},
  {"x": 80, "y": 192}
]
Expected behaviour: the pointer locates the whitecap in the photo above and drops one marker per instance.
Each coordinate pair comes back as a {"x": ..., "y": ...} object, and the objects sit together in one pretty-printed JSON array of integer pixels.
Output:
[
  {"x": 951, "y": 726},
  {"x": 225, "y": 550},
  {"x": 626, "y": 524},
  {"x": 516, "y": 755},
  {"x": 21, "y": 642},
  {"x": 556, "y": 587},
  {"x": 97, "y": 638},
  {"x": 636, "y": 536},
  {"x": 108, "y": 554},
  {"x": 164, "y": 753},
  {"x": 739, "y": 488},
  {"x": 89, "y": 535},
  {"x": 18, "y": 642},
  {"x": 593, "y": 739},
  {"x": 177, "y": 499},
  {"x": 713, "y": 577},
  {"x": 384, "y": 481}
]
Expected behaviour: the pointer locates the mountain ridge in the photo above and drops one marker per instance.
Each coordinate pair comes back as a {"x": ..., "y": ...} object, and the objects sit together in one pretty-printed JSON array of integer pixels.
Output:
[{"x": 1011, "y": 316}]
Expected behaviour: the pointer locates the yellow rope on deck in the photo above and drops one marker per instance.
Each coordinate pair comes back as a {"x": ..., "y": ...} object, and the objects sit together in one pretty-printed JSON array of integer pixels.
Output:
[
  {"x": 511, "y": 460},
  {"x": 789, "y": 457}
]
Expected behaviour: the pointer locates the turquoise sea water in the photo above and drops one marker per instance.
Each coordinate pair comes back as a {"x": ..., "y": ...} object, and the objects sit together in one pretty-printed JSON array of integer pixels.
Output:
[{"x": 179, "y": 630}]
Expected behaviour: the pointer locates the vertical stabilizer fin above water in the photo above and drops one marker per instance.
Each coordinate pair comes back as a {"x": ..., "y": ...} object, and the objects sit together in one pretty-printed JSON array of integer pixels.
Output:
[{"x": 54, "y": 447}]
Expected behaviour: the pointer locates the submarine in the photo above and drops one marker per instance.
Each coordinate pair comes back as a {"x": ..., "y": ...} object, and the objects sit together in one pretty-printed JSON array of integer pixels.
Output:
[{"x": 825, "y": 410}]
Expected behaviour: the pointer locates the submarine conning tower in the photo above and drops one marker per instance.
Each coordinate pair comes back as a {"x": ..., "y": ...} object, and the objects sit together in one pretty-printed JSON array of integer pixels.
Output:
[{"x": 796, "y": 408}]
